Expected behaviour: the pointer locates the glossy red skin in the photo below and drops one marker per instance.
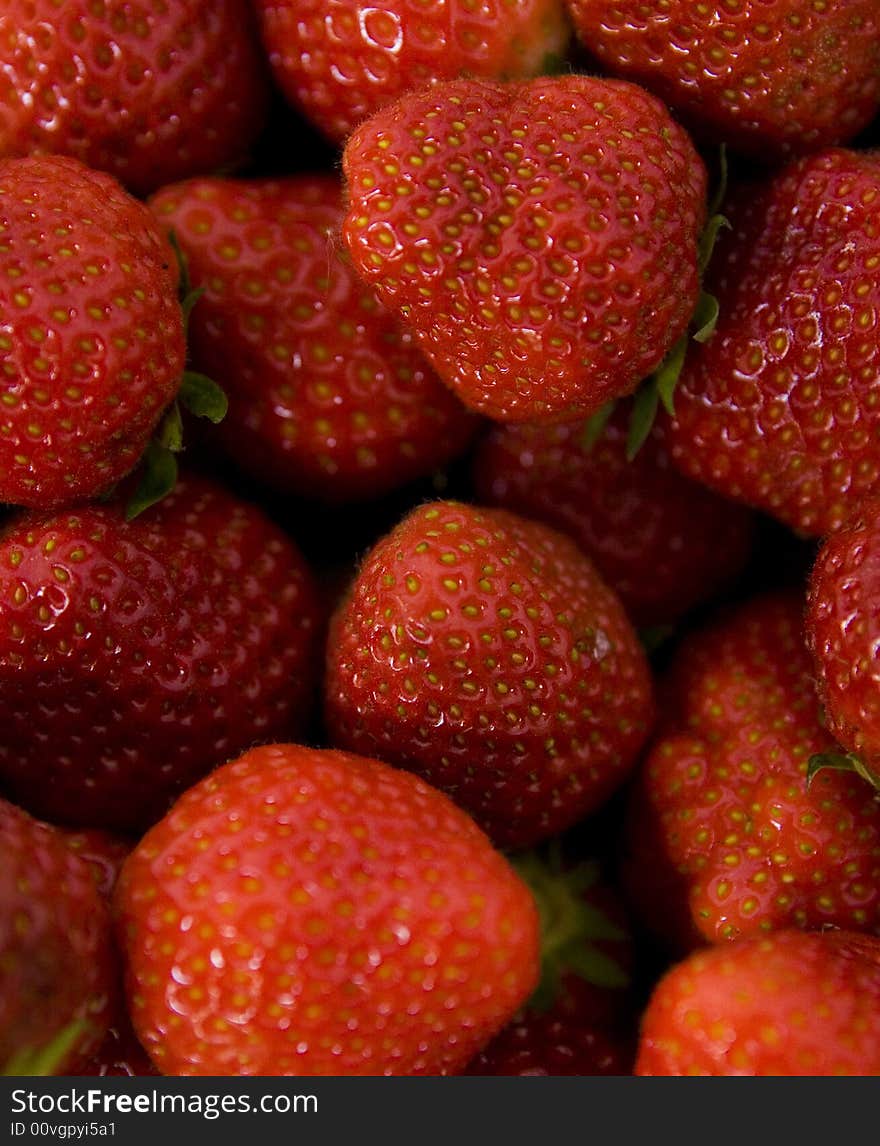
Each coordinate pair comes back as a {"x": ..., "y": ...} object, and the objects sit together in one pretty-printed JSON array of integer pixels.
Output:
[
  {"x": 149, "y": 90},
  {"x": 558, "y": 264},
  {"x": 103, "y": 852},
  {"x": 843, "y": 627},
  {"x": 341, "y": 61},
  {"x": 663, "y": 543},
  {"x": 724, "y": 837},
  {"x": 390, "y": 937},
  {"x": 484, "y": 652},
  {"x": 738, "y": 72},
  {"x": 136, "y": 656},
  {"x": 329, "y": 396},
  {"x": 783, "y": 1004},
  {"x": 778, "y": 409},
  {"x": 56, "y": 949},
  {"x": 91, "y": 331},
  {"x": 550, "y": 1045}
]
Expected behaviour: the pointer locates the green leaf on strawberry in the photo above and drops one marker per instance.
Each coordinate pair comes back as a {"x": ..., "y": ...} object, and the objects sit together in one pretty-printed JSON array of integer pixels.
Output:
[
  {"x": 198, "y": 394},
  {"x": 660, "y": 386},
  {"x": 571, "y": 926},
  {"x": 595, "y": 425},
  {"x": 158, "y": 479},
  {"x": 201, "y": 396},
  {"x": 841, "y": 762},
  {"x": 45, "y": 1061}
]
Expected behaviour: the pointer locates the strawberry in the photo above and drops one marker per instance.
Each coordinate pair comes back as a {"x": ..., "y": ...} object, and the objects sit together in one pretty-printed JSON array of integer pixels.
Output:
[
  {"x": 484, "y": 652},
  {"x": 149, "y": 90},
  {"x": 726, "y": 837},
  {"x": 341, "y": 61},
  {"x": 540, "y": 238},
  {"x": 778, "y": 409},
  {"x": 390, "y": 938},
  {"x": 843, "y": 626},
  {"x": 770, "y": 76},
  {"x": 57, "y": 963},
  {"x": 134, "y": 656},
  {"x": 783, "y": 1004},
  {"x": 329, "y": 396},
  {"x": 91, "y": 331},
  {"x": 663, "y": 543}
]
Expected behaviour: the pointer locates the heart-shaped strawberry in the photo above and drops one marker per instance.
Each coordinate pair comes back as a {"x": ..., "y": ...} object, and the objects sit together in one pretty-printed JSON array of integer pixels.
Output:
[{"x": 540, "y": 238}]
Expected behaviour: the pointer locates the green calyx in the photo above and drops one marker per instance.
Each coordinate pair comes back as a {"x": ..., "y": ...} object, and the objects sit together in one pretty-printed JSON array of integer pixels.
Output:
[
  {"x": 570, "y": 927},
  {"x": 43, "y": 1062},
  {"x": 659, "y": 388},
  {"x": 198, "y": 394},
  {"x": 841, "y": 762}
]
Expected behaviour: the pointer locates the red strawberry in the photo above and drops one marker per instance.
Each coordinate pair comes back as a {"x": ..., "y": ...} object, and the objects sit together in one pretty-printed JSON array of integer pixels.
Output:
[
  {"x": 308, "y": 912},
  {"x": 57, "y": 964},
  {"x": 540, "y": 238},
  {"x": 149, "y": 90},
  {"x": 329, "y": 397},
  {"x": 778, "y": 409},
  {"x": 341, "y": 61},
  {"x": 134, "y": 656},
  {"x": 91, "y": 331},
  {"x": 726, "y": 837},
  {"x": 770, "y": 76},
  {"x": 664, "y": 544},
  {"x": 843, "y": 630},
  {"x": 784, "y": 1004},
  {"x": 484, "y": 652}
]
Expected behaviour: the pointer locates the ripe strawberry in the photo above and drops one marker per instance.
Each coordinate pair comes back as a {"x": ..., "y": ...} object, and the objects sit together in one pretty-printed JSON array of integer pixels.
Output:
[
  {"x": 769, "y": 77},
  {"x": 91, "y": 331},
  {"x": 149, "y": 90},
  {"x": 134, "y": 656},
  {"x": 340, "y": 61},
  {"x": 540, "y": 238},
  {"x": 783, "y": 1004},
  {"x": 329, "y": 397},
  {"x": 663, "y": 543},
  {"x": 390, "y": 937},
  {"x": 57, "y": 964},
  {"x": 726, "y": 837},
  {"x": 778, "y": 409},
  {"x": 843, "y": 627},
  {"x": 483, "y": 651}
]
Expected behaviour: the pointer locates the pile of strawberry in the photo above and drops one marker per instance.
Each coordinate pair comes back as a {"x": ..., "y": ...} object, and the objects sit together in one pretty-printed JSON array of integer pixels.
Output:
[{"x": 440, "y": 554}]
